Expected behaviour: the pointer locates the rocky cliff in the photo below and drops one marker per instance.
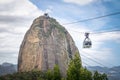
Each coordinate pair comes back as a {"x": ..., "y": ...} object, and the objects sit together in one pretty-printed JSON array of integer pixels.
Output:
[{"x": 45, "y": 44}]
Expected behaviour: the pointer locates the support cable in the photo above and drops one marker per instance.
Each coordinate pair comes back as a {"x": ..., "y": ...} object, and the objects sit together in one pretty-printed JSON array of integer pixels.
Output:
[{"x": 89, "y": 19}]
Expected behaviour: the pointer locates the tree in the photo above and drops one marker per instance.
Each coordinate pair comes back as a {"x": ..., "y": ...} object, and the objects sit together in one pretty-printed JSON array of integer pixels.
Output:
[
  {"x": 104, "y": 77},
  {"x": 56, "y": 73},
  {"x": 76, "y": 71},
  {"x": 49, "y": 75},
  {"x": 73, "y": 72},
  {"x": 98, "y": 76},
  {"x": 85, "y": 74}
]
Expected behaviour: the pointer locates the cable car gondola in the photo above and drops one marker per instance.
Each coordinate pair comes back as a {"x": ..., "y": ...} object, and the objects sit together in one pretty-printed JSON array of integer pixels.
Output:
[{"x": 87, "y": 42}]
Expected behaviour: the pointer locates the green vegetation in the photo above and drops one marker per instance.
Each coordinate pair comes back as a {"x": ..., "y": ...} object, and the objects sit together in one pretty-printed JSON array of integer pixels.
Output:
[
  {"x": 55, "y": 24},
  {"x": 31, "y": 75},
  {"x": 56, "y": 73},
  {"x": 58, "y": 28},
  {"x": 98, "y": 76},
  {"x": 75, "y": 72}
]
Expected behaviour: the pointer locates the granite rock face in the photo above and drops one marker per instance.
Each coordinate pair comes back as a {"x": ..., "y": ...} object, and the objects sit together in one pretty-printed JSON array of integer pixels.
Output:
[{"x": 45, "y": 44}]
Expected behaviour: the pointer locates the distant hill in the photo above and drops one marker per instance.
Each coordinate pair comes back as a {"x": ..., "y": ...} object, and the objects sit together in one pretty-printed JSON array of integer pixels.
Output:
[
  {"x": 7, "y": 68},
  {"x": 113, "y": 73}
]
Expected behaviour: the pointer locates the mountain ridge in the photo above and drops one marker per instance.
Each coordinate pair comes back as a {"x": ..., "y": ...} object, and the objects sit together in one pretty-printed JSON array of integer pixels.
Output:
[{"x": 7, "y": 68}]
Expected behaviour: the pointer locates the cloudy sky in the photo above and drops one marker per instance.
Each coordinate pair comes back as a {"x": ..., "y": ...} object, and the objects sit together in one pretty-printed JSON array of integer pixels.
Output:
[{"x": 16, "y": 17}]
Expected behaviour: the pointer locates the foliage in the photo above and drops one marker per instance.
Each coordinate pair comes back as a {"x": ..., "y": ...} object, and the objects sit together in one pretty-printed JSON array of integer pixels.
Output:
[
  {"x": 49, "y": 75},
  {"x": 53, "y": 75},
  {"x": 34, "y": 75},
  {"x": 56, "y": 73},
  {"x": 75, "y": 72},
  {"x": 98, "y": 76},
  {"x": 85, "y": 74},
  {"x": 55, "y": 24},
  {"x": 31, "y": 75}
]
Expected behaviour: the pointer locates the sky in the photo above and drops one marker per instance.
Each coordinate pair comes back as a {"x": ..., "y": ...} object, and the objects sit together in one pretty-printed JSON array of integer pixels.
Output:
[{"x": 16, "y": 17}]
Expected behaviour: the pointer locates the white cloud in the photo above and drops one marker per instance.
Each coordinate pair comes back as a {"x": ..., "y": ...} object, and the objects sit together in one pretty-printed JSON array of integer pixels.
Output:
[
  {"x": 16, "y": 18},
  {"x": 49, "y": 9},
  {"x": 5, "y": 1},
  {"x": 79, "y": 2},
  {"x": 21, "y": 8},
  {"x": 101, "y": 37}
]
